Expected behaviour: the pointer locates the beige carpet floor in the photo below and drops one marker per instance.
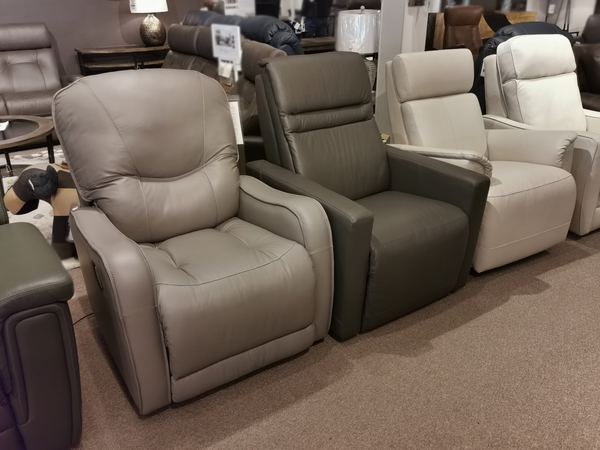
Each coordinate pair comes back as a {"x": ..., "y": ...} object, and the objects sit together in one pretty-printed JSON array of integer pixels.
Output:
[{"x": 511, "y": 361}]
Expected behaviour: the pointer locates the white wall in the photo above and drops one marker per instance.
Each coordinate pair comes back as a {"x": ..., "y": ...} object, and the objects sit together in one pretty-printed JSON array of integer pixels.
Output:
[{"x": 580, "y": 11}]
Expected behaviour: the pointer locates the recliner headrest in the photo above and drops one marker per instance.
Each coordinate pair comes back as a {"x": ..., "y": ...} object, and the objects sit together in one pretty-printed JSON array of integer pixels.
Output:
[
  {"x": 463, "y": 15},
  {"x": 24, "y": 36},
  {"x": 535, "y": 56},
  {"x": 352, "y": 86},
  {"x": 191, "y": 40},
  {"x": 252, "y": 53},
  {"x": 432, "y": 74}
]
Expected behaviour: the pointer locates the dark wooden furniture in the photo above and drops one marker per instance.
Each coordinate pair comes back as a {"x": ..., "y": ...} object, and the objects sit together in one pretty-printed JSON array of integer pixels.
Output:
[
  {"x": 45, "y": 128},
  {"x": 318, "y": 44},
  {"x": 108, "y": 59}
]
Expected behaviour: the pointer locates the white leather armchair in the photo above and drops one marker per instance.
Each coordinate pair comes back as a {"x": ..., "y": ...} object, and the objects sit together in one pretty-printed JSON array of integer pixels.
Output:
[
  {"x": 531, "y": 84},
  {"x": 531, "y": 197}
]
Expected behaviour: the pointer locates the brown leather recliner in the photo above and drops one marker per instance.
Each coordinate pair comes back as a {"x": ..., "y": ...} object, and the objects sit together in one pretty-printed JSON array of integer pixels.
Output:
[
  {"x": 404, "y": 226},
  {"x": 40, "y": 393},
  {"x": 461, "y": 28},
  {"x": 196, "y": 275},
  {"x": 591, "y": 31},
  {"x": 29, "y": 75}
]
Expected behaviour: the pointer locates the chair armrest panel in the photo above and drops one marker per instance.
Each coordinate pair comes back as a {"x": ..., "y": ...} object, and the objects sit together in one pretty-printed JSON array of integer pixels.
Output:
[
  {"x": 300, "y": 219},
  {"x": 351, "y": 227},
  {"x": 122, "y": 293},
  {"x": 426, "y": 177}
]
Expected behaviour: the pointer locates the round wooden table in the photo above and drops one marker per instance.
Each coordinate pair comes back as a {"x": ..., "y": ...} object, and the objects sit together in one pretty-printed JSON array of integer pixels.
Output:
[{"x": 44, "y": 128}]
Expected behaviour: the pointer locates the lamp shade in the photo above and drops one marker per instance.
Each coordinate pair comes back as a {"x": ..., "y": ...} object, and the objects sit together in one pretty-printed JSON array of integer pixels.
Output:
[
  {"x": 148, "y": 6},
  {"x": 357, "y": 31}
]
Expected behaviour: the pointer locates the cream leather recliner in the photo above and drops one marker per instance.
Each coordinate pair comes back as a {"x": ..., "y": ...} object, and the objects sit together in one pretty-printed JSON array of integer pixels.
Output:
[
  {"x": 196, "y": 275},
  {"x": 531, "y": 84},
  {"x": 531, "y": 197}
]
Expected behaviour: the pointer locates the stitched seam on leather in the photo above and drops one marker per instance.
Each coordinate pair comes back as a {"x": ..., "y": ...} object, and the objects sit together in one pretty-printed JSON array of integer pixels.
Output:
[
  {"x": 587, "y": 177},
  {"x": 533, "y": 188},
  {"x": 121, "y": 315},
  {"x": 137, "y": 174},
  {"x": 69, "y": 356},
  {"x": 458, "y": 219},
  {"x": 40, "y": 288},
  {"x": 327, "y": 203},
  {"x": 37, "y": 60},
  {"x": 237, "y": 273},
  {"x": 13, "y": 364},
  {"x": 525, "y": 238},
  {"x": 145, "y": 210},
  {"x": 214, "y": 195},
  {"x": 175, "y": 265},
  {"x": 302, "y": 225},
  {"x": 203, "y": 128},
  {"x": 414, "y": 121}
]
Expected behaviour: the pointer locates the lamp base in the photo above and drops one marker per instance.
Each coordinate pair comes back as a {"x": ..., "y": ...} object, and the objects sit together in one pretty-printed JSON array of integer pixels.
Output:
[{"x": 152, "y": 31}]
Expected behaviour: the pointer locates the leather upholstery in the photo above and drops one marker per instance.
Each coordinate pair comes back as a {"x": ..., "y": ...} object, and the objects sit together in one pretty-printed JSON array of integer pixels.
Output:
[
  {"x": 461, "y": 28},
  {"x": 191, "y": 49},
  {"x": 591, "y": 30},
  {"x": 385, "y": 233},
  {"x": 29, "y": 74},
  {"x": 40, "y": 394},
  {"x": 265, "y": 29},
  {"x": 531, "y": 197},
  {"x": 587, "y": 58},
  {"x": 548, "y": 98},
  {"x": 209, "y": 256}
]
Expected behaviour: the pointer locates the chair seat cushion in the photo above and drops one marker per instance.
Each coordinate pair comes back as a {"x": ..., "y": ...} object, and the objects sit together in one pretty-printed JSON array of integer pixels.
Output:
[
  {"x": 223, "y": 291},
  {"x": 417, "y": 248},
  {"x": 528, "y": 210},
  {"x": 37, "y": 103}
]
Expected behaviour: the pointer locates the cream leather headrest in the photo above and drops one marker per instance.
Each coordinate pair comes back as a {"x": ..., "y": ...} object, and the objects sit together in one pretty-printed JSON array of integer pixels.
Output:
[
  {"x": 432, "y": 74},
  {"x": 535, "y": 56}
]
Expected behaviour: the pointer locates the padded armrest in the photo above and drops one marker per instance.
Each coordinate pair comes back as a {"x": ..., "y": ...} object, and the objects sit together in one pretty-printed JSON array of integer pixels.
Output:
[
  {"x": 462, "y": 158},
  {"x": 31, "y": 274},
  {"x": 122, "y": 293},
  {"x": 300, "y": 219},
  {"x": 548, "y": 147},
  {"x": 492, "y": 122},
  {"x": 592, "y": 119},
  {"x": 426, "y": 177},
  {"x": 351, "y": 226}
]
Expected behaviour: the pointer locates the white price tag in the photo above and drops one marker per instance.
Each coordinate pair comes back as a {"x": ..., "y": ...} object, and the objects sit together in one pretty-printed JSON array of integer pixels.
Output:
[
  {"x": 234, "y": 108},
  {"x": 3, "y": 125}
]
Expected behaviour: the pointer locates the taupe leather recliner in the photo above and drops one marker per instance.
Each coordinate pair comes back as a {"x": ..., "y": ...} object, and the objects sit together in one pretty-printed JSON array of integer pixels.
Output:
[
  {"x": 29, "y": 75},
  {"x": 40, "y": 393},
  {"x": 404, "y": 226},
  {"x": 531, "y": 197},
  {"x": 196, "y": 275},
  {"x": 531, "y": 84}
]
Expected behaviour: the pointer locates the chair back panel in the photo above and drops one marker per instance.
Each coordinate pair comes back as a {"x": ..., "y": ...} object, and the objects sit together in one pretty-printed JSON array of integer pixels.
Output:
[
  {"x": 321, "y": 106},
  {"x": 153, "y": 149},
  {"x": 539, "y": 83},
  {"x": 27, "y": 61},
  {"x": 461, "y": 26},
  {"x": 591, "y": 30},
  {"x": 432, "y": 89}
]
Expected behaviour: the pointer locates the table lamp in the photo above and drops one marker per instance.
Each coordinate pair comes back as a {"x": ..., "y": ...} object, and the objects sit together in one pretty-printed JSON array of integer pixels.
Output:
[{"x": 152, "y": 31}]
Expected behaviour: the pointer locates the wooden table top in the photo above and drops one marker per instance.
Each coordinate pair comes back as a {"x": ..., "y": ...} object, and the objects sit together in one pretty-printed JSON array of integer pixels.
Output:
[
  {"x": 45, "y": 127},
  {"x": 121, "y": 49}
]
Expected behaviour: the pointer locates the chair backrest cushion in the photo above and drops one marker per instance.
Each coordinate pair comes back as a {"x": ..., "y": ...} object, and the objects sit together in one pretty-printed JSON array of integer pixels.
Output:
[
  {"x": 191, "y": 49},
  {"x": 432, "y": 91},
  {"x": 461, "y": 26},
  {"x": 153, "y": 149},
  {"x": 591, "y": 30},
  {"x": 539, "y": 83},
  {"x": 27, "y": 61},
  {"x": 322, "y": 113}
]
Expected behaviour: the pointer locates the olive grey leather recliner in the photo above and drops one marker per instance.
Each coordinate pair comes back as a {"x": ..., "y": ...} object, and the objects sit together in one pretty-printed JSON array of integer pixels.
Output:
[
  {"x": 196, "y": 275},
  {"x": 404, "y": 226}
]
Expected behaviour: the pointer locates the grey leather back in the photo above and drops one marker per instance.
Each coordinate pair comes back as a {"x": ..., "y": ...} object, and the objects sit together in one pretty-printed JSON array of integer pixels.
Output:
[
  {"x": 118, "y": 129},
  {"x": 325, "y": 131},
  {"x": 27, "y": 61},
  {"x": 191, "y": 49}
]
